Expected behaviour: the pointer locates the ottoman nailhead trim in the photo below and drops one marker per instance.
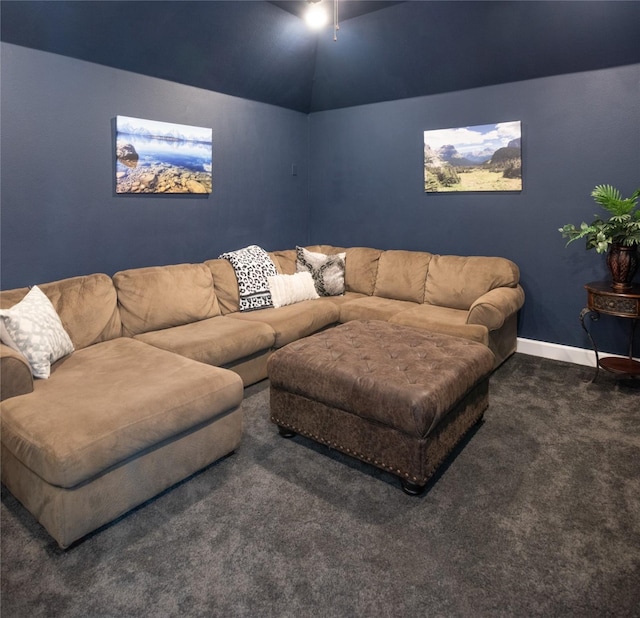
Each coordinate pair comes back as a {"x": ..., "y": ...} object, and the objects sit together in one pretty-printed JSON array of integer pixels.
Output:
[
  {"x": 339, "y": 447},
  {"x": 366, "y": 458}
]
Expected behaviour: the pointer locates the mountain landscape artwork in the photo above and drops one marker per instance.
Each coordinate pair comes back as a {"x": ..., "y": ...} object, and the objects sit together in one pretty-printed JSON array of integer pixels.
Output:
[
  {"x": 162, "y": 157},
  {"x": 484, "y": 157}
]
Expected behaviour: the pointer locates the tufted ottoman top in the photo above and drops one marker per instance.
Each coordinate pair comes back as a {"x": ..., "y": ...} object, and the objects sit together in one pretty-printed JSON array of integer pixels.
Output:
[{"x": 399, "y": 376}]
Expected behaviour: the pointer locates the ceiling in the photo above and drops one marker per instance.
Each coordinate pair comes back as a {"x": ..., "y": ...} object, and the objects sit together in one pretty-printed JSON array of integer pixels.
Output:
[{"x": 263, "y": 51}]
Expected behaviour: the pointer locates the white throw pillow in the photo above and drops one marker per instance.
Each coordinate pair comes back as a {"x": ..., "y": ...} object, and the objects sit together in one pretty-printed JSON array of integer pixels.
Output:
[
  {"x": 33, "y": 328},
  {"x": 290, "y": 289}
]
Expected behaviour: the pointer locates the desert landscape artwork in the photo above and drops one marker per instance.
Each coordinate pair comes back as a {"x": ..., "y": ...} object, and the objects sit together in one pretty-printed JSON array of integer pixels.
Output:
[{"x": 476, "y": 158}]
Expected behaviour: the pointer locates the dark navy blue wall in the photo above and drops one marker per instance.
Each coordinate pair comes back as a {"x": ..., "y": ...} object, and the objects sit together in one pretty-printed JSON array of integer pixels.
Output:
[
  {"x": 60, "y": 215},
  {"x": 579, "y": 130},
  {"x": 359, "y": 178}
]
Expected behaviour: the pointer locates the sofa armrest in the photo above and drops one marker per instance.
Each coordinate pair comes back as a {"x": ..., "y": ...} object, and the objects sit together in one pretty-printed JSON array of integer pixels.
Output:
[
  {"x": 495, "y": 306},
  {"x": 15, "y": 373}
]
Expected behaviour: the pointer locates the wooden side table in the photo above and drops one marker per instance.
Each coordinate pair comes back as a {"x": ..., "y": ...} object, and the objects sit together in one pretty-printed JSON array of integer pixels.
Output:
[{"x": 602, "y": 298}]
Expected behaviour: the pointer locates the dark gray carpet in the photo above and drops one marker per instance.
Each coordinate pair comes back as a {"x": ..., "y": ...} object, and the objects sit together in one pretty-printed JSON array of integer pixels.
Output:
[{"x": 538, "y": 514}]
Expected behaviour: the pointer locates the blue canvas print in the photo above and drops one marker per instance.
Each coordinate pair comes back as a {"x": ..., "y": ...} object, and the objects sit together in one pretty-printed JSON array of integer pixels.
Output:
[{"x": 162, "y": 157}]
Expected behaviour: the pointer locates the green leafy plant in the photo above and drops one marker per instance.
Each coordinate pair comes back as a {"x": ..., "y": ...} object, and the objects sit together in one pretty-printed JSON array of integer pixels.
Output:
[{"x": 622, "y": 227}]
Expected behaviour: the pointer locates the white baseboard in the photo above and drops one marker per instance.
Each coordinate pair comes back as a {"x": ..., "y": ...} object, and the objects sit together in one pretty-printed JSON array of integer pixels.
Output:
[{"x": 555, "y": 351}]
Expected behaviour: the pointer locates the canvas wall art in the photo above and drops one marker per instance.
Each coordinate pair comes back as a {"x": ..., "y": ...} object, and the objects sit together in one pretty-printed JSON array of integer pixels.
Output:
[
  {"x": 484, "y": 157},
  {"x": 162, "y": 157}
]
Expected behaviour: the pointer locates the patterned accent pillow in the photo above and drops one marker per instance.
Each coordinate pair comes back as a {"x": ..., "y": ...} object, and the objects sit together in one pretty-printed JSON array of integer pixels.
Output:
[
  {"x": 33, "y": 328},
  {"x": 252, "y": 266},
  {"x": 290, "y": 289},
  {"x": 327, "y": 270}
]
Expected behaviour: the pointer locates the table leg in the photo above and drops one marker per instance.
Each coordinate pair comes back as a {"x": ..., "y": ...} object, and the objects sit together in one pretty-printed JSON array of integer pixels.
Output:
[
  {"x": 595, "y": 316},
  {"x": 631, "y": 338}
]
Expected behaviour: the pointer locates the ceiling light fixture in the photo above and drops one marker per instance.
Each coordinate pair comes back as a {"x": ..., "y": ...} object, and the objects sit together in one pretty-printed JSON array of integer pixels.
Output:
[{"x": 316, "y": 16}]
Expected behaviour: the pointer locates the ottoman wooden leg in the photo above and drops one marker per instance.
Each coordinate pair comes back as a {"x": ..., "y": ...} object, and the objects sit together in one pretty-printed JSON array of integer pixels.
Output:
[
  {"x": 413, "y": 489},
  {"x": 286, "y": 433}
]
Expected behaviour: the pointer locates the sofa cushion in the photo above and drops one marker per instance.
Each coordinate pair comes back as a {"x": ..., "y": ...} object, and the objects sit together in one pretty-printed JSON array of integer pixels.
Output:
[
  {"x": 33, "y": 328},
  {"x": 401, "y": 275},
  {"x": 225, "y": 285},
  {"x": 108, "y": 403},
  {"x": 294, "y": 321},
  {"x": 372, "y": 308},
  {"x": 326, "y": 249},
  {"x": 8, "y": 298},
  {"x": 216, "y": 341},
  {"x": 338, "y": 301},
  {"x": 456, "y": 281},
  {"x": 361, "y": 268},
  {"x": 442, "y": 320},
  {"x": 327, "y": 270},
  {"x": 87, "y": 306},
  {"x": 163, "y": 296},
  {"x": 285, "y": 261}
]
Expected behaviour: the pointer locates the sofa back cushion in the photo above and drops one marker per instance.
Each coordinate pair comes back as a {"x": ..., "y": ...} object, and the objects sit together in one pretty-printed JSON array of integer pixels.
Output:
[
  {"x": 225, "y": 284},
  {"x": 361, "y": 268},
  {"x": 402, "y": 274},
  {"x": 327, "y": 249},
  {"x": 457, "y": 281},
  {"x": 159, "y": 297},
  {"x": 87, "y": 307},
  {"x": 285, "y": 261}
]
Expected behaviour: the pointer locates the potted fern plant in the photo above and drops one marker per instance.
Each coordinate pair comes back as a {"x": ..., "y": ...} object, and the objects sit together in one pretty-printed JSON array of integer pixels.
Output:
[{"x": 617, "y": 235}]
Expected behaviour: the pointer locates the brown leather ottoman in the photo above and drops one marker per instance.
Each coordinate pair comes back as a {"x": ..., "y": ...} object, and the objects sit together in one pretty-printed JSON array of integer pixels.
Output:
[{"x": 390, "y": 395}]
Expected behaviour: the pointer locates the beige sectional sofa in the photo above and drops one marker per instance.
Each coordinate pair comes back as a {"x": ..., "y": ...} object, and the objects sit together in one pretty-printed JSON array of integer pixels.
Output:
[{"x": 153, "y": 391}]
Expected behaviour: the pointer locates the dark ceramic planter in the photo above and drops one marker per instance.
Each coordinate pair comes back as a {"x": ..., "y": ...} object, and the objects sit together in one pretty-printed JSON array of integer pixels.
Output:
[{"x": 623, "y": 264}]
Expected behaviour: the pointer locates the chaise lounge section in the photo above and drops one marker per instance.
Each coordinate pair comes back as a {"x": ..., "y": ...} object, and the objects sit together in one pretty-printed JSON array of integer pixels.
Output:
[{"x": 117, "y": 422}]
